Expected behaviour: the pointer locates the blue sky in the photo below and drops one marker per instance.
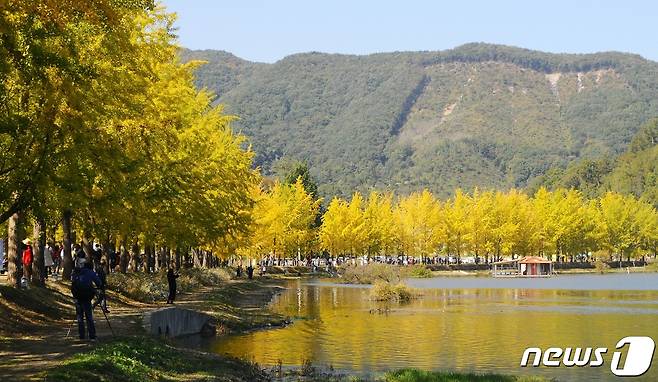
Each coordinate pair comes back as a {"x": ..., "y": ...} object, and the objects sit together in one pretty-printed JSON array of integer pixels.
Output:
[{"x": 268, "y": 30}]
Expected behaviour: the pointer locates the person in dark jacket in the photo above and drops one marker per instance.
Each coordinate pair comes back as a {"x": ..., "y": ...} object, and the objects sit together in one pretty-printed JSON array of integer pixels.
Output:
[
  {"x": 171, "y": 280},
  {"x": 102, "y": 297},
  {"x": 83, "y": 280},
  {"x": 79, "y": 252}
]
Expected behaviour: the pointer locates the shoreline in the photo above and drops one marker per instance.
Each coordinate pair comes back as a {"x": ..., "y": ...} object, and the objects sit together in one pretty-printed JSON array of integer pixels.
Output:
[
  {"x": 239, "y": 306},
  {"x": 461, "y": 273}
]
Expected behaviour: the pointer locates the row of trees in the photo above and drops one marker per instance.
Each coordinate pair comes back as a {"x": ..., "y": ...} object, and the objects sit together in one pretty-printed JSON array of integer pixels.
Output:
[
  {"x": 103, "y": 132},
  {"x": 104, "y": 137},
  {"x": 486, "y": 224}
]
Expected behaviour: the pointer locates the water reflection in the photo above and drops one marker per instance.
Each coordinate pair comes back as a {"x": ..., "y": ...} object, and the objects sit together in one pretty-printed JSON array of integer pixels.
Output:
[{"x": 460, "y": 329}]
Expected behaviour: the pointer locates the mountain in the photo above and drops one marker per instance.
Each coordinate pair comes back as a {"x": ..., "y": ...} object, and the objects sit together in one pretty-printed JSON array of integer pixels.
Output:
[
  {"x": 478, "y": 115},
  {"x": 634, "y": 172}
]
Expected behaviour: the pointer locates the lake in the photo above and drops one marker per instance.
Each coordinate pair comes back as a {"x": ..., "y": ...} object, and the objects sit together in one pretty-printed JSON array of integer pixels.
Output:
[{"x": 475, "y": 324}]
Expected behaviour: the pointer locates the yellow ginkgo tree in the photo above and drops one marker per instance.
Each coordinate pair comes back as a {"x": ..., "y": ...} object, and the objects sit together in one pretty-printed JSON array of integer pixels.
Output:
[
  {"x": 420, "y": 226},
  {"x": 283, "y": 221}
]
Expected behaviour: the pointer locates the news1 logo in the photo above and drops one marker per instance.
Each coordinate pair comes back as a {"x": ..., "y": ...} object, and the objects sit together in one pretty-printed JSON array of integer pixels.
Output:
[{"x": 637, "y": 361}]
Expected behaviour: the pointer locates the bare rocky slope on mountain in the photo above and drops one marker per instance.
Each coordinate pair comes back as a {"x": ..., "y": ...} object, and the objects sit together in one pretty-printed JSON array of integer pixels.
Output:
[{"x": 480, "y": 115}]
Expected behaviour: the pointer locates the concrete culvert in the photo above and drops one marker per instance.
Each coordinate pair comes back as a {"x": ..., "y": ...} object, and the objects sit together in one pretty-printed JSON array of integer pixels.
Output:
[{"x": 179, "y": 322}]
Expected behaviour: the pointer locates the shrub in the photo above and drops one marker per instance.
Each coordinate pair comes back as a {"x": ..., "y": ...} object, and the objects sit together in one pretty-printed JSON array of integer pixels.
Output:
[
  {"x": 370, "y": 273},
  {"x": 418, "y": 271},
  {"x": 383, "y": 291},
  {"x": 601, "y": 266}
]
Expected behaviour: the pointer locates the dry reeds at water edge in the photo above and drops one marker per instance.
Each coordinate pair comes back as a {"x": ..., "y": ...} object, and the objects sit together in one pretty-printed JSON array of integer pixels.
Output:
[{"x": 401, "y": 292}]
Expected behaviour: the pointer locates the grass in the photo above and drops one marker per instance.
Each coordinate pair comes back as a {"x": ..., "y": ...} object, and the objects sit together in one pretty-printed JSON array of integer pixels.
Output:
[
  {"x": 403, "y": 375},
  {"x": 148, "y": 287},
  {"x": 418, "y": 271},
  {"x": 25, "y": 310},
  {"x": 137, "y": 359},
  {"x": 414, "y": 375}
]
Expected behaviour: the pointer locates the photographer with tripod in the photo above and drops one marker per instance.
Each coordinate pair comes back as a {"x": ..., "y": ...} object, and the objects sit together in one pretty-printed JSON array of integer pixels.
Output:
[
  {"x": 102, "y": 296},
  {"x": 83, "y": 280}
]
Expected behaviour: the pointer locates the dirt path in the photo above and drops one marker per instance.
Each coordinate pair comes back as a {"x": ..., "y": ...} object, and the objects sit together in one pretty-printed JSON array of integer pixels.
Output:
[{"x": 24, "y": 358}]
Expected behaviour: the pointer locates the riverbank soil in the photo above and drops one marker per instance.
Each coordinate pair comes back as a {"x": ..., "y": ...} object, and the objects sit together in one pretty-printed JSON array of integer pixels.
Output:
[{"x": 34, "y": 324}]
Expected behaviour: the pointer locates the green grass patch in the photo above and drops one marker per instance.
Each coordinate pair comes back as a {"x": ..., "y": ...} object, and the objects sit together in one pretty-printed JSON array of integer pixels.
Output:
[
  {"x": 418, "y": 271},
  {"x": 146, "y": 359},
  {"x": 414, "y": 375},
  {"x": 312, "y": 374}
]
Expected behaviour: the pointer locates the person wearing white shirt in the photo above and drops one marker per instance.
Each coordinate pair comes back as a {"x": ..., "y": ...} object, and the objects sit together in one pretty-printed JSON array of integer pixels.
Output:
[{"x": 48, "y": 259}]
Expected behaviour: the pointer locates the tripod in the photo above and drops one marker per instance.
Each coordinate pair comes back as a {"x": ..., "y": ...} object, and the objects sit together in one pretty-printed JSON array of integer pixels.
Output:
[{"x": 93, "y": 306}]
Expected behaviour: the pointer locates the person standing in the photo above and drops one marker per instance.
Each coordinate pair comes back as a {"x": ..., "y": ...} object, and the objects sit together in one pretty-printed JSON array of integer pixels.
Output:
[
  {"x": 27, "y": 260},
  {"x": 97, "y": 254},
  {"x": 57, "y": 257},
  {"x": 79, "y": 252},
  {"x": 171, "y": 280},
  {"x": 102, "y": 295},
  {"x": 83, "y": 280},
  {"x": 48, "y": 259},
  {"x": 112, "y": 257}
]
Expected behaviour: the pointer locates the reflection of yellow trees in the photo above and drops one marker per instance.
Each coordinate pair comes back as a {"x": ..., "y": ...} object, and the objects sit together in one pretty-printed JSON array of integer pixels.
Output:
[
  {"x": 464, "y": 329},
  {"x": 485, "y": 224}
]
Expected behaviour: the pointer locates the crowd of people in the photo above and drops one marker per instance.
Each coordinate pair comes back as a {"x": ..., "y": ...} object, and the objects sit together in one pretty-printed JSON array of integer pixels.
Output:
[
  {"x": 87, "y": 283},
  {"x": 52, "y": 258}
]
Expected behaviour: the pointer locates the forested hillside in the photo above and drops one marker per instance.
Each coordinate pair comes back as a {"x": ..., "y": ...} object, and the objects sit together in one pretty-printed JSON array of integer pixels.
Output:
[
  {"x": 477, "y": 115},
  {"x": 634, "y": 172}
]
